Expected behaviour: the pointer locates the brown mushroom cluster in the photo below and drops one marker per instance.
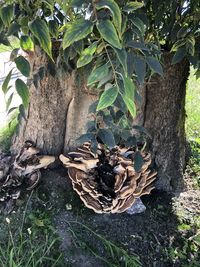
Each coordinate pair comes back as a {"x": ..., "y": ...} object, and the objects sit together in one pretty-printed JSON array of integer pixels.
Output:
[
  {"x": 106, "y": 181},
  {"x": 21, "y": 172}
]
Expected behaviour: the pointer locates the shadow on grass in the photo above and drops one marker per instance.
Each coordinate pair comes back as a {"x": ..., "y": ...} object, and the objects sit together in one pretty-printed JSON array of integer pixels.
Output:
[{"x": 156, "y": 237}]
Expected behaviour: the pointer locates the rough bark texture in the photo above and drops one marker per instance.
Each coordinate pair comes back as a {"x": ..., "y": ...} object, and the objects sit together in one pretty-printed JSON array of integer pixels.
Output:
[
  {"x": 57, "y": 112},
  {"x": 163, "y": 115}
]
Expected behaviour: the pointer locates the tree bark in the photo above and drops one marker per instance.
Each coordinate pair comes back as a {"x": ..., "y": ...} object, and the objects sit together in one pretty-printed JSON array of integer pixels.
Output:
[
  {"x": 163, "y": 115},
  {"x": 58, "y": 109},
  {"x": 58, "y": 113}
]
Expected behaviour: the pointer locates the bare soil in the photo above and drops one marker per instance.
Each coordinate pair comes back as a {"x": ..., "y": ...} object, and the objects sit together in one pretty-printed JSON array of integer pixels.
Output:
[{"x": 153, "y": 235}]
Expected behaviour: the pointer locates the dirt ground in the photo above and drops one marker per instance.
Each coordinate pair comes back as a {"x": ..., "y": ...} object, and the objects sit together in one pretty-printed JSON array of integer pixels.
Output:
[{"x": 155, "y": 235}]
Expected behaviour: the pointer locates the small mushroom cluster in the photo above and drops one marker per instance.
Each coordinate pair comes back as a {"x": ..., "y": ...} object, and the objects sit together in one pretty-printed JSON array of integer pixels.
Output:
[
  {"x": 106, "y": 181},
  {"x": 21, "y": 172}
]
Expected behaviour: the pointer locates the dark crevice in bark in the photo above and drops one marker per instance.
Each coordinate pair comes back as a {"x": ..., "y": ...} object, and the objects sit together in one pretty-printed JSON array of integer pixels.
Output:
[
  {"x": 145, "y": 105},
  {"x": 65, "y": 128},
  {"x": 58, "y": 109},
  {"x": 58, "y": 114}
]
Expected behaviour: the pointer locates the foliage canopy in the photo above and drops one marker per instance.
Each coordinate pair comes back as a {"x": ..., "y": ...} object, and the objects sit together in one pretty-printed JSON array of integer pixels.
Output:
[{"x": 120, "y": 41}]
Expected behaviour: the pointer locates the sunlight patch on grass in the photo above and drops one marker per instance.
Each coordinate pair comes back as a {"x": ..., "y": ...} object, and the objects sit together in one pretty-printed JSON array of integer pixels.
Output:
[
  {"x": 6, "y": 133},
  {"x": 193, "y": 107}
]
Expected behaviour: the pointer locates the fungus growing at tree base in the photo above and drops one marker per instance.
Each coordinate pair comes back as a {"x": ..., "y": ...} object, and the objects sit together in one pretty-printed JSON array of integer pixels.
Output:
[
  {"x": 107, "y": 181},
  {"x": 20, "y": 172}
]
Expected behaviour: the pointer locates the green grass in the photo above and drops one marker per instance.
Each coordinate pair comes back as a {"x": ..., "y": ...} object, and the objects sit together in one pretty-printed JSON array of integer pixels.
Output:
[
  {"x": 7, "y": 131},
  {"x": 27, "y": 250},
  {"x": 29, "y": 240},
  {"x": 187, "y": 248},
  {"x": 193, "y": 107},
  {"x": 193, "y": 127},
  {"x": 36, "y": 243},
  {"x": 114, "y": 255}
]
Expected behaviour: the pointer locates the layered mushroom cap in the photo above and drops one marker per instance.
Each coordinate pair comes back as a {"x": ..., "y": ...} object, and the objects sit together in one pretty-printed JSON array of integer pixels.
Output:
[
  {"x": 107, "y": 181},
  {"x": 22, "y": 171}
]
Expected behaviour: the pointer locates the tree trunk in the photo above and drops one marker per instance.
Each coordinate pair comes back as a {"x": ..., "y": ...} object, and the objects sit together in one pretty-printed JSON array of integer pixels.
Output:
[
  {"x": 163, "y": 115},
  {"x": 58, "y": 109},
  {"x": 58, "y": 113}
]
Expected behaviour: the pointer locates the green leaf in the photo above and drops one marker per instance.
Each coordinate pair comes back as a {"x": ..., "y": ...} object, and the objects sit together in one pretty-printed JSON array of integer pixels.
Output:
[
  {"x": 123, "y": 122},
  {"x": 106, "y": 78},
  {"x": 26, "y": 43},
  {"x": 182, "y": 32},
  {"x": 6, "y": 14},
  {"x": 138, "y": 161},
  {"x": 53, "y": 28},
  {"x": 77, "y": 3},
  {"x": 155, "y": 65},
  {"x": 128, "y": 96},
  {"x": 107, "y": 137},
  {"x": 178, "y": 44},
  {"x": 132, "y": 6},
  {"x": 129, "y": 87},
  {"x": 196, "y": 238},
  {"x": 22, "y": 113},
  {"x": 1, "y": 25},
  {"x": 197, "y": 74},
  {"x": 85, "y": 138},
  {"x": 137, "y": 45},
  {"x": 8, "y": 102},
  {"x": 23, "y": 21},
  {"x": 108, "y": 32},
  {"x": 92, "y": 108},
  {"x": 39, "y": 222},
  {"x": 13, "y": 29},
  {"x": 130, "y": 105},
  {"x": 122, "y": 56},
  {"x": 23, "y": 92},
  {"x": 179, "y": 55},
  {"x": 14, "y": 54},
  {"x": 23, "y": 65},
  {"x": 114, "y": 9},
  {"x": 140, "y": 68},
  {"x": 87, "y": 55},
  {"x": 40, "y": 30},
  {"x": 139, "y": 24},
  {"x": 190, "y": 44},
  {"x": 5, "y": 87},
  {"x": 11, "y": 110},
  {"x": 4, "y": 40},
  {"x": 97, "y": 74},
  {"x": 76, "y": 31},
  {"x": 108, "y": 98},
  {"x": 131, "y": 141}
]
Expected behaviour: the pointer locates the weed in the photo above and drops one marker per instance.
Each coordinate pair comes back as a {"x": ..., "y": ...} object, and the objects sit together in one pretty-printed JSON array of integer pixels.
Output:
[
  {"x": 7, "y": 132},
  {"x": 193, "y": 166},
  {"x": 193, "y": 128},
  {"x": 115, "y": 256},
  {"x": 186, "y": 249},
  {"x": 192, "y": 106},
  {"x": 34, "y": 244}
]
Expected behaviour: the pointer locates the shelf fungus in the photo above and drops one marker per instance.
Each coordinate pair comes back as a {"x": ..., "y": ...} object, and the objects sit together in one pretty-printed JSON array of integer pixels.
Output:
[
  {"x": 107, "y": 181},
  {"x": 21, "y": 171}
]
